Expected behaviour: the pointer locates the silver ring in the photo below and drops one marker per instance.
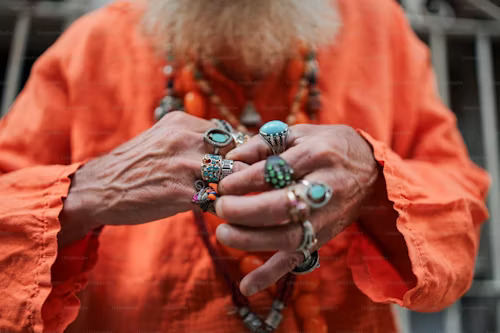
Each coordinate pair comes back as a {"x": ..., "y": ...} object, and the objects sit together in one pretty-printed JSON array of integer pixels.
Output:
[
  {"x": 238, "y": 137},
  {"x": 308, "y": 265},
  {"x": 306, "y": 254},
  {"x": 218, "y": 138},
  {"x": 275, "y": 133},
  {"x": 309, "y": 238},
  {"x": 315, "y": 194},
  {"x": 227, "y": 168}
]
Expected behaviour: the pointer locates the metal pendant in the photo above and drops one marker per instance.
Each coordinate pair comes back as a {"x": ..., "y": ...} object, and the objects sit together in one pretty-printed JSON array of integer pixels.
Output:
[
  {"x": 168, "y": 104},
  {"x": 250, "y": 117}
]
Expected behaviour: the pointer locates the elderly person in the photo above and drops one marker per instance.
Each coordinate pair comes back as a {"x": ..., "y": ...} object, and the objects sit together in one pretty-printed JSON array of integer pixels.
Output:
[{"x": 102, "y": 190}]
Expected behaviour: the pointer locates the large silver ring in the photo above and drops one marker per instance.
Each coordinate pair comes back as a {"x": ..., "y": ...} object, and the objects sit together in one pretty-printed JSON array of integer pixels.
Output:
[
  {"x": 315, "y": 194},
  {"x": 309, "y": 239},
  {"x": 308, "y": 265},
  {"x": 275, "y": 133},
  {"x": 218, "y": 138}
]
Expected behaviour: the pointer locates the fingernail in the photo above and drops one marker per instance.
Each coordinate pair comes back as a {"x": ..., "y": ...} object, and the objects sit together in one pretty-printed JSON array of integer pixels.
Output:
[
  {"x": 222, "y": 232},
  {"x": 218, "y": 210}
]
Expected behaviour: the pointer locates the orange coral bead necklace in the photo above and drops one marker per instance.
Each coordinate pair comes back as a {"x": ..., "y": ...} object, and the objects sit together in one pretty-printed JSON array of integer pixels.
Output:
[{"x": 187, "y": 90}]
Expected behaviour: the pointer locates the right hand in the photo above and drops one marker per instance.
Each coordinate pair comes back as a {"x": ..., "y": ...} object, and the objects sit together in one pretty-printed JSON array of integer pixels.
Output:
[{"x": 145, "y": 179}]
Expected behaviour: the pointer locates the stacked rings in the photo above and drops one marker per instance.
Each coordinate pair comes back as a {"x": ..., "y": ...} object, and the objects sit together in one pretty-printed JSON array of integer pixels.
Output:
[
  {"x": 275, "y": 133},
  {"x": 214, "y": 168},
  {"x": 278, "y": 173}
]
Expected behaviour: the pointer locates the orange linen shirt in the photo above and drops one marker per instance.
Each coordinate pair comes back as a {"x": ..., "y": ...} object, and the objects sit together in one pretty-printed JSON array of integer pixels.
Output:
[{"x": 97, "y": 87}]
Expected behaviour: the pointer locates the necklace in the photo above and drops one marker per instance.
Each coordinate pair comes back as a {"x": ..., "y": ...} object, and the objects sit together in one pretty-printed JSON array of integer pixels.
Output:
[
  {"x": 250, "y": 319},
  {"x": 186, "y": 91}
]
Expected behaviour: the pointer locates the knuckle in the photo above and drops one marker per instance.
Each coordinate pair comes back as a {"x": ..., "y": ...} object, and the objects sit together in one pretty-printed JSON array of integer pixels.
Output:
[
  {"x": 174, "y": 116},
  {"x": 184, "y": 165},
  {"x": 256, "y": 178},
  {"x": 323, "y": 151},
  {"x": 181, "y": 138}
]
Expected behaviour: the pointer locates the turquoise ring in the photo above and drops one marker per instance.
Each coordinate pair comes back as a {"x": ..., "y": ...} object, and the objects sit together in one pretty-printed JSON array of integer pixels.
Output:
[
  {"x": 214, "y": 168},
  {"x": 211, "y": 168},
  {"x": 218, "y": 138},
  {"x": 315, "y": 194},
  {"x": 275, "y": 133}
]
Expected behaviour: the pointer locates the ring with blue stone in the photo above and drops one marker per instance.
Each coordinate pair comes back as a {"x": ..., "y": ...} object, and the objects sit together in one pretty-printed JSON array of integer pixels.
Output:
[
  {"x": 316, "y": 194},
  {"x": 211, "y": 168},
  {"x": 275, "y": 133},
  {"x": 278, "y": 173},
  {"x": 218, "y": 138}
]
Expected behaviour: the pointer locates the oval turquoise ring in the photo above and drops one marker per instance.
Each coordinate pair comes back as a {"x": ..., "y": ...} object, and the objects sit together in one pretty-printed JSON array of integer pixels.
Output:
[
  {"x": 218, "y": 138},
  {"x": 275, "y": 133}
]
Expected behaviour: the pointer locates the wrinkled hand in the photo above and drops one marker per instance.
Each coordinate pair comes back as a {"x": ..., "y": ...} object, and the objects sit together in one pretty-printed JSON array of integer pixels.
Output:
[
  {"x": 145, "y": 179},
  {"x": 333, "y": 155}
]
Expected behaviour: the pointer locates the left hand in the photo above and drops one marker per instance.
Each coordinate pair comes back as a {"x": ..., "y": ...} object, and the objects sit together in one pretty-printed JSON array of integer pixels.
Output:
[{"x": 335, "y": 155}]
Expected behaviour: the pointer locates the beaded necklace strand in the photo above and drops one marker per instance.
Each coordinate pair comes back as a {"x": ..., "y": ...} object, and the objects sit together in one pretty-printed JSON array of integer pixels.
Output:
[
  {"x": 187, "y": 90},
  {"x": 191, "y": 82}
]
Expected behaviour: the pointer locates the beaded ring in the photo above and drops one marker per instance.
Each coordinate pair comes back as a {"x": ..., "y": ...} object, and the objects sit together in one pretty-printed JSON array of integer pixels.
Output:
[
  {"x": 211, "y": 168},
  {"x": 278, "y": 173}
]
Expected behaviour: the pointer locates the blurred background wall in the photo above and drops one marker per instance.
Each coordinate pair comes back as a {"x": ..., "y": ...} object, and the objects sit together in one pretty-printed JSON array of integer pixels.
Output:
[{"x": 464, "y": 36}]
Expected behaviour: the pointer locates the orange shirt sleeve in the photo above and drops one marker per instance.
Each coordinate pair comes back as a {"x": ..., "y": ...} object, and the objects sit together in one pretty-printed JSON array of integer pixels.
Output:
[
  {"x": 35, "y": 166},
  {"x": 436, "y": 193}
]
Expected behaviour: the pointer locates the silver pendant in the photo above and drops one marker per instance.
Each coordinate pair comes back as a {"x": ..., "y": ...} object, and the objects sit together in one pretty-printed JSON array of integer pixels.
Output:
[
  {"x": 250, "y": 117},
  {"x": 167, "y": 104}
]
